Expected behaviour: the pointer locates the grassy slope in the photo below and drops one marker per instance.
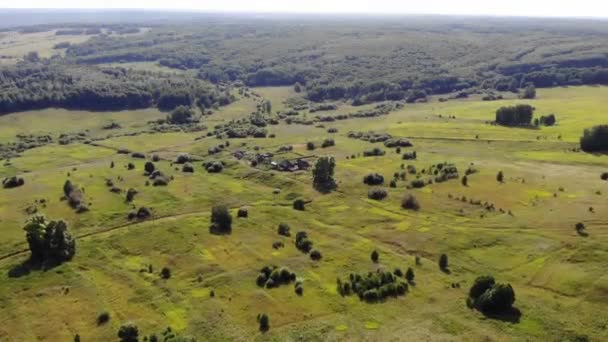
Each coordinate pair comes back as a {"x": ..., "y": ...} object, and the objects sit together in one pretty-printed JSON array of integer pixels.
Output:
[{"x": 554, "y": 272}]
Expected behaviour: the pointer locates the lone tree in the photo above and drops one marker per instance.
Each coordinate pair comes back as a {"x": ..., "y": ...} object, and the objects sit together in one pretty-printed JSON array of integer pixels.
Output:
[
  {"x": 221, "y": 220},
  {"x": 500, "y": 177},
  {"x": 465, "y": 181},
  {"x": 488, "y": 296},
  {"x": 529, "y": 92},
  {"x": 50, "y": 242},
  {"x": 409, "y": 275},
  {"x": 595, "y": 139},
  {"x": 443, "y": 262},
  {"x": 375, "y": 256},
  {"x": 323, "y": 174}
]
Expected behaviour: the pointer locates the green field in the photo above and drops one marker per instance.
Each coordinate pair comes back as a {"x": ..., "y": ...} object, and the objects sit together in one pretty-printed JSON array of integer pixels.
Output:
[{"x": 559, "y": 277}]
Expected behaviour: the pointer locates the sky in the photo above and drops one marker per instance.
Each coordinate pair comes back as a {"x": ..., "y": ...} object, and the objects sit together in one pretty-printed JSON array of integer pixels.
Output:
[{"x": 542, "y": 8}]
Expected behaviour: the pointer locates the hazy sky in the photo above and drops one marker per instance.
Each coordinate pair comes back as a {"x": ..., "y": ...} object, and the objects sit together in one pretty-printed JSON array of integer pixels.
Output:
[{"x": 549, "y": 8}]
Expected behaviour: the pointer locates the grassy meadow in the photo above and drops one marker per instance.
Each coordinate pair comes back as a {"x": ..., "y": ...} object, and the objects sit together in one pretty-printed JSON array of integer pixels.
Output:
[{"x": 558, "y": 276}]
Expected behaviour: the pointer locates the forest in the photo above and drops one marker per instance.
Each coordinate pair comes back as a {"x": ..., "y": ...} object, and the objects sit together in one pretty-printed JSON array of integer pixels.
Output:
[{"x": 337, "y": 58}]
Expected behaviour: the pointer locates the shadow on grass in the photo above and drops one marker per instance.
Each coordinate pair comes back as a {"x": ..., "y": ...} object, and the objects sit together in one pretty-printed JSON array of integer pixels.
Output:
[
  {"x": 217, "y": 230},
  {"x": 446, "y": 270},
  {"x": 513, "y": 315}
]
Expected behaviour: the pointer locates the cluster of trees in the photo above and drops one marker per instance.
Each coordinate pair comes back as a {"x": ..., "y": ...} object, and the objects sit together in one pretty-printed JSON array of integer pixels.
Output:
[
  {"x": 323, "y": 174},
  {"x": 488, "y": 296},
  {"x": 74, "y": 196},
  {"x": 12, "y": 182},
  {"x": 273, "y": 276},
  {"x": 518, "y": 115},
  {"x": 595, "y": 139},
  {"x": 50, "y": 242},
  {"x": 49, "y": 83},
  {"x": 548, "y": 120},
  {"x": 372, "y": 287}
]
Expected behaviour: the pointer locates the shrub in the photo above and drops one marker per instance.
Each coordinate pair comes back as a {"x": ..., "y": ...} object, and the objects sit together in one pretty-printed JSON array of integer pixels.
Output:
[
  {"x": 160, "y": 181},
  {"x": 443, "y": 262},
  {"x": 12, "y": 182},
  {"x": 328, "y": 142},
  {"x": 310, "y": 146},
  {"x": 130, "y": 166},
  {"x": 409, "y": 275},
  {"x": 243, "y": 212},
  {"x": 299, "y": 290},
  {"x": 181, "y": 115},
  {"x": 149, "y": 167},
  {"x": 155, "y": 158},
  {"x": 409, "y": 155},
  {"x": 187, "y": 167},
  {"x": 128, "y": 333},
  {"x": 465, "y": 181},
  {"x": 264, "y": 322},
  {"x": 604, "y": 176},
  {"x": 315, "y": 255},
  {"x": 595, "y": 139},
  {"x": 213, "y": 167},
  {"x": 138, "y": 155},
  {"x": 372, "y": 287},
  {"x": 284, "y": 229},
  {"x": 580, "y": 227},
  {"x": 490, "y": 297},
  {"x": 500, "y": 177},
  {"x": 375, "y": 255},
  {"x": 377, "y": 194},
  {"x": 410, "y": 202},
  {"x": 373, "y": 179},
  {"x": 417, "y": 183},
  {"x": 393, "y": 183},
  {"x": 398, "y": 272},
  {"x": 165, "y": 273},
  {"x": 131, "y": 194},
  {"x": 332, "y": 130},
  {"x": 182, "y": 158},
  {"x": 103, "y": 318},
  {"x": 374, "y": 152},
  {"x": 303, "y": 243},
  {"x": 221, "y": 220},
  {"x": 299, "y": 204}
]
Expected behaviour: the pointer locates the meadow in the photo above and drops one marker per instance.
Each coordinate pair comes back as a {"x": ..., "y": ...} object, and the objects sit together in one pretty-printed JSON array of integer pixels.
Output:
[{"x": 558, "y": 276}]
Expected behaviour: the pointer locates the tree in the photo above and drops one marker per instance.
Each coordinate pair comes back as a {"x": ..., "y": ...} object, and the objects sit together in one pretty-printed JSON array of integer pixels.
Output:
[
  {"x": 221, "y": 220},
  {"x": 443, "y": 262},
  {"x": 297, "y": 87},
  {"x": 375, "y": 256},
  {"x": 149, "y": 167},
  {"x": 128, "y": 333},
  {"x": 50, "y": 242},
  {"x": 481, "y": 285},
  {"x": 500, "y": 177},
  {"x": 409, "y": 274},
  {"x": 264, "y": 322},
  {"x": 181, "y": 115},
  {"x": 268, "y": 106},
  {"x": 165, "y": 273},
  {"x": 529, "y": 92},
  {"x": 323, "y": 174},
  {"x": 465, "y": 181},
  {"x": 410, "y": 202},
  {"x": 595, "y": 139}
]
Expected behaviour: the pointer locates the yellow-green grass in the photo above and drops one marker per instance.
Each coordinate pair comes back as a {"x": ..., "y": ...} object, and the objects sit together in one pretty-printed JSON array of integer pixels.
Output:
[
  {"x": 554, "y": 271},
  {"x": 15, "y": 45}
]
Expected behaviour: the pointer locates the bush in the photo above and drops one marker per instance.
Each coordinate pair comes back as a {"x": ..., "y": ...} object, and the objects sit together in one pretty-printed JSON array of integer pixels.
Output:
[
  {"x": 182, "y": 158},
  {"x": 155, "y": 158},
  {"x": 372, "y": 287},
  {"x": 604, "y": 176},
  {"x": 398, "y": 272},
  {"x": 310, "y": 146},
  {"x": 138, "y": 155},
  {"x": 465, "y": 181},
  {"x": 410, "y": 202},
  {"x": 443, "y": 262},
  {"x": 299, "y": 204},
  {"x": 500, "y": 177},
  {"x": 328, "y": 142},
  {"x": 213, "y": 167},
  {"x": 595, "y": 139},
  {"x": 377, "y": 194},
  {"x": 187, "y": 167},
  {"x": 284, "y": 229},
  {"x": 315, "y": 255},
  {"x": 221, "y": 220},
  {"x": 165, "y": 273},
  {"x": 103, "y": 318},
  {"x": 128, "y": 333},
  {"x": 490, "y": 297},
  {"x": 242, "y": 213},
  {"x": 303, "y": 243},
  {"x": 375, "y": 255},
  {"x": 299, "y": 290},
  {"x": 181, "y": 115},
  {"x": 12, "y": 182},
  {"x": 417, "y": 183},
  {"x": 264, "y": 322},
  {"x": 149, "y": 167},
  {"x": 393, "y": 183},
  {"x": 130, "y": 166},
  {"x": 409, "y": 275},
  {"x": 373, "y": 179},
  {"x": 374, "y": 152}
]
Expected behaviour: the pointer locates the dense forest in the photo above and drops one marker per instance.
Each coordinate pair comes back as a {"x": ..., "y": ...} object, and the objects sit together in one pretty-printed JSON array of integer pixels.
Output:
[{"x": 335, "y": 58}]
